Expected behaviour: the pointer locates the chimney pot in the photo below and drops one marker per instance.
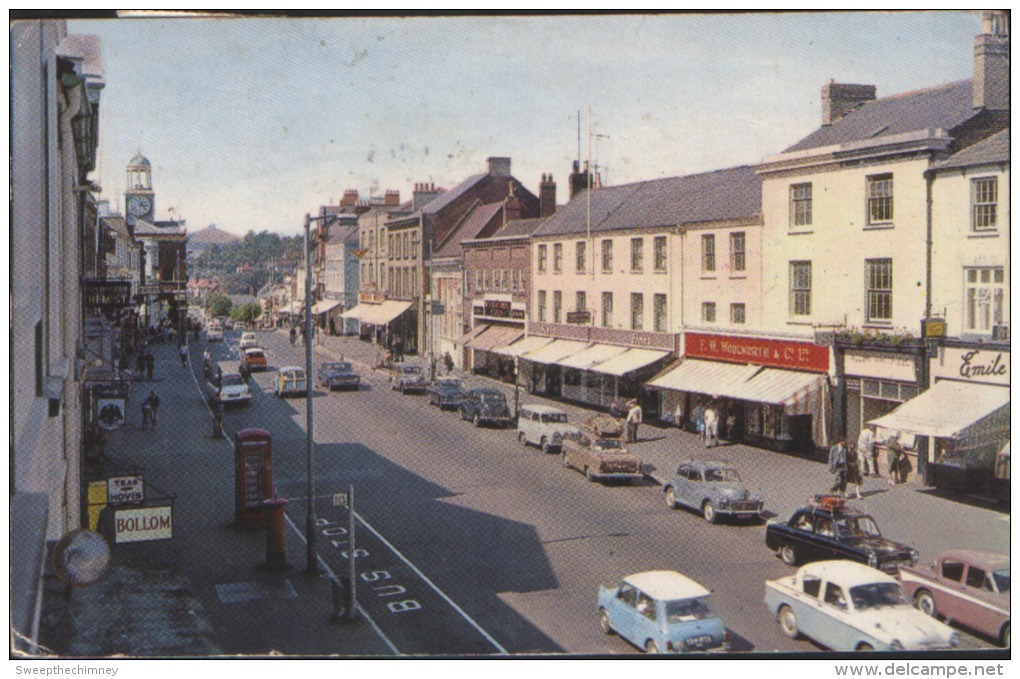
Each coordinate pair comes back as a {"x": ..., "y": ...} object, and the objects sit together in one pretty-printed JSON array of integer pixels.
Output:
[
  {"x": 839, "y": 99},
  {"x": 991, "y": 62}
]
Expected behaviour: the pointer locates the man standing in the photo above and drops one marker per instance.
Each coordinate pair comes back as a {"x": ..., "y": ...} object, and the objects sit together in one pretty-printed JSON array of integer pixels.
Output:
[
  {"x": 866, "y": 452},
  {"x": 184, "y": 355},
  {"x": 633, "y": 420},
  {"x": 150, "y": 364},
  {"x": 895, "y": 455},
  {"x": 837, "y": 466},
  {"x": 711, "y": 426}
]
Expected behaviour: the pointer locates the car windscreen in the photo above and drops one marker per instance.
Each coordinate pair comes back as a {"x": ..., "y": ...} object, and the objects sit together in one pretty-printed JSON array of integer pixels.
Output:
[
  {"x": 555, "y": 417},
  {"x": 608, "y": 444},
  {"x": 337, "y": 367},
  {"x": 1001, "y": 578},
  {"x": 722, "y": 474},
  {"x": 255, "y": 354},
  {"x": 413, "y": 370},
  {"x": 448, "y": 384},
  {"x": 232, "y": 381},
  {"x": 294, "y": 375},
  {"x": 858, "y": 527},
  {"x": 492, "y": 398},
  {"x": 878, "y": 594},
  {"x": 683, "y": 610}
]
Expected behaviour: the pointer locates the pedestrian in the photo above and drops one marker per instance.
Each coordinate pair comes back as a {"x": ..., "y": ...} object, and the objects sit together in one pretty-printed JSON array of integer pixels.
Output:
[
  {"x": 150, "y": 410},
  {"x": 184, "y": 355},
  {"x": 614, "y": 411},
  {"x": 398, "y": 348},
  {"x": 711, "y": 426},
  {"x": 293, "y": 334},
  {"x": 634, "y": 416},
  {"x": 678, "y": 415},
  {"x": 140, "y": 362},
  {"x": 893, "y": 452},
  {"x": 448, "y": 361},
  {"x": 837, "y": 467},
  {"x": 150, "y": 364},
  {"x": 217, "y": 409},
  {"x": 853, "y": 475},
  {"x": 866, "y": 452},
  {"x": 699, "y": 421}
]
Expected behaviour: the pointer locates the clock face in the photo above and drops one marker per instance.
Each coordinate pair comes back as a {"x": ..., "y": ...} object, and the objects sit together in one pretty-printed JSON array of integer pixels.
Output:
[{"x": 139, "y": 205}]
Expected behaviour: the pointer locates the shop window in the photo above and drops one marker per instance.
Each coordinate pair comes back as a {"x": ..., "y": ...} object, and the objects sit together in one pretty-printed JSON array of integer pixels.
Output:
[{"x": 890, "y": 391}]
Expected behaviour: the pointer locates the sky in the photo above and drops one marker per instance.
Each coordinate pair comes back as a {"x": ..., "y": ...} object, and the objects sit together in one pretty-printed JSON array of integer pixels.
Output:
[{"x": 252, "y": 122}]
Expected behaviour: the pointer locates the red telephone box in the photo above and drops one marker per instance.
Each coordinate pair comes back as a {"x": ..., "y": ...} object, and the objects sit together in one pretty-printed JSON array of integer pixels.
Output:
[{"x": 253, "y": 476}]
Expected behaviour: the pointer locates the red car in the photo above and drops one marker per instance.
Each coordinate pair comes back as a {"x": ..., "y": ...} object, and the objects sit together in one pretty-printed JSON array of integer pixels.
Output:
[
  {"x": 255, "y": 359},
  {"x": 967, "y": 586}
]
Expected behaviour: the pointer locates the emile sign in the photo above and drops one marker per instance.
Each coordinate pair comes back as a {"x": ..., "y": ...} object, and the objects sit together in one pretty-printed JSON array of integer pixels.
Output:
[{"x": 974, "y": 365}]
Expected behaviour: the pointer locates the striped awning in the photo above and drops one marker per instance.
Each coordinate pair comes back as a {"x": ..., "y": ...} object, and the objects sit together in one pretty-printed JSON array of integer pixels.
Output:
[
  {"x": 496, "y": 336},
  {"x": 555, "y": 352},
  {"x": 523, "y": 346},
  {"x": 945, "y": 410},
  {"x": 701, "y": 377},
  {"x": 629, "y": 361},
  {"x": 383, "y": 313},
  {"x": 596, "y": 353},
  {"x": 472, "y": 333},
  {"x": 325, "y": 305}
]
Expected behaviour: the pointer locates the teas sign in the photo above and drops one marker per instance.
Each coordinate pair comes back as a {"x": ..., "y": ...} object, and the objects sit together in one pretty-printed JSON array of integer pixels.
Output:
[
  {"x": 972, "y": 365},
  {"x": 143, "y": 524},
  {"x": 123, "y": 490}
]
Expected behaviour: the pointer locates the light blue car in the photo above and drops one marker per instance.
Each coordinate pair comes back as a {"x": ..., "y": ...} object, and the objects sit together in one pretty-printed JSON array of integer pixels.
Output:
[
  {"x": 713, "y": 488},
  {"x": 662, "y": 612}
]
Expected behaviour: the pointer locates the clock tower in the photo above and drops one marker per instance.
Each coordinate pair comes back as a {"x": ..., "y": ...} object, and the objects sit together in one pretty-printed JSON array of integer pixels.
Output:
[{"x": 139, "y": 199}]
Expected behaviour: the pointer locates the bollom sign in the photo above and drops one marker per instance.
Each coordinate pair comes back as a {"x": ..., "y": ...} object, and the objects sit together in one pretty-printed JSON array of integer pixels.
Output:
[{"x": 143, "y": 524}]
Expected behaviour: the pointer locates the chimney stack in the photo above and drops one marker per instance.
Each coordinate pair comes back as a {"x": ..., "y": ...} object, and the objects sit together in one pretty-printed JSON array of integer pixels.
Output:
[
  {"x": 991, "y": 62},
  {"x": 512, "y": 207},
  {"x": 350, "y": 198},
  {"x": 838, "y": 99},
  {"x": 392, "y": 198},
  {"x": 546, "y": 196},
  {"x": 578, "y": 180},
  {"x": 424, "y": 193},
  {"x": 499, "y": 167}
]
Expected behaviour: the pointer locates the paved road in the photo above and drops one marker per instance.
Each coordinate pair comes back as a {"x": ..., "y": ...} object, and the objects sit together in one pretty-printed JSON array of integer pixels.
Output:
[{"x": 476, "y": 545}]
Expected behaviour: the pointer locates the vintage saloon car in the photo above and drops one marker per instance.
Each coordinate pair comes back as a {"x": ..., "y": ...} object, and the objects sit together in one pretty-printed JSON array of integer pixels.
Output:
[
  {"x": 407, "y": 379},
  {"x": 445, "y": 392},
  {"x": 829, "y": 529},
  {"x": 225, "y": 385},
  {"x": 970, "y": 587},
  {"x": 255, "y": 359},
  {"x": 662, "y": 612},
  {"x": 847, "y": 606},
  {"x": 544, "y": 426},
  {"x": 248, "y": 340},
  {"x": 338, "y": 375},
  {"x": 485, "y": 405},
  {"x": 214, "y": 333},
  {"x": 291, "y": 381},
  {"x": 599, "y": 452},
  {"x": 712, "y": 487}
]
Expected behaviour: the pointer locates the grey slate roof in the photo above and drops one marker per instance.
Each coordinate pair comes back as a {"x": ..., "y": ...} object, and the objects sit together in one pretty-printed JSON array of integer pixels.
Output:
[
  {"x": 475, "y": 221},
  {"x": 944, "y": 106},
  {"x": 519, "y": 227},
  {"x": 732, "y": 193},
  {"x": 446, "y": 198},
  {"x": 994, "y": 149}
]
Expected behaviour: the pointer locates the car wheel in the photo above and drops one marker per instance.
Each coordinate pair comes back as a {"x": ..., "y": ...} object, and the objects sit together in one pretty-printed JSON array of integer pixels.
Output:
[
  {"x": 544, "y": 444},
  {"x": 565, "y": 460},
  {"x": 463, "y": 414},
  {"x": 477, "y": 421},
  {"x": 1004, "y": 636},
  {"x": 708, "y": 511},
  {"x": 925, "y": 602},
  {"x": 671, "y": 497},
  {"x": 604, "y": 622},
  {"x": 788, "y": 622},
  {"x": 865, "y": 648},
  {"x": 651, "y": 647},
  {"x": 788, "y": 554},
  {"x": 522, "y": 438}
]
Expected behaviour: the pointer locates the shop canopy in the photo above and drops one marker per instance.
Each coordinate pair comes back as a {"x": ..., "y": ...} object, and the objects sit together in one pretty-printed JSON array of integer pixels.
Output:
[
  {"x": 629, "y": 361},
  {"x": 357, "y": 312},
  {"x": 325, "y": 305},
  {"x": 524, "y": 346},
  {"x": 472, "y": 333},
  {"x": 555, "y": 352},
  {"x": 788, "y": 388},
  {"x": 702, "y": 377},
  {"x": 383, "y": 314},
  {"x": 945, "y": 410},
  {"x": 596, "y": 353},
  {"x": 496, "y": 336}
]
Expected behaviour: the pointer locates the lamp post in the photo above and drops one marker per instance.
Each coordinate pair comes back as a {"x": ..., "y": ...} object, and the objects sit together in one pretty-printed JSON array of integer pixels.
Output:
[{"x": 311, "y": 563}]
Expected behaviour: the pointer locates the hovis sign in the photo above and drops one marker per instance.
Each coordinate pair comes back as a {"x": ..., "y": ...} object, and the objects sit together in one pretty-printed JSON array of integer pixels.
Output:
[
  {"x": 143, "y": 524},
  {"x": 125, "y": 490}
]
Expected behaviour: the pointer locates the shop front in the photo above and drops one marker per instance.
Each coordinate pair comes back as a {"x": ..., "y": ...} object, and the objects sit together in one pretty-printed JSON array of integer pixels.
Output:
[
  {"x": 961, "y": 424},
  {"x": 769, "y": 392},
  {"x": 481, "y": 349}
]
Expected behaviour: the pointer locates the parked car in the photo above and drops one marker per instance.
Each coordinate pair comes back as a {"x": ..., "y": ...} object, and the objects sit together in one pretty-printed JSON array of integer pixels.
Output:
[
  {"x": 967, "y": 586},
  {"x": 830, "y": 529},
  {"x": 485, "y": 405},
  {"x": 662, "y": 611},
  {"x": 338, "y": 375},
  {"x": 291, "y": 381},
  {"x": 214, "y": 333},
  {"x": 544, "y": 426},
  {"x": 255, "y": 359},
  {"x": 226, "y": 385},
  {"x": 847, "y": 606},
  {"x": 408, "y": 379},
  {"x": 712, "y": 487},
  {"x": 445, "y": 392},
  {"x": 248, "y": 340},
  {"x": 600, "y": 453}
]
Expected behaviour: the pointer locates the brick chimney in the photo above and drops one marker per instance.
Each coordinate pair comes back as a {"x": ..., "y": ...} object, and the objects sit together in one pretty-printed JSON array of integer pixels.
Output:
[
  {"x": 546, "y": 196},
  {"x": 839, "y": 99},
  {"x": 350, "y": 198},
  {"x": 579, "y": 180},
  {"x": 991, "y": 62},
  {"x": 499, "y": 167},
  {"x": 424, "y": 194},
  {"x": 512, "y": 207},
  {"x": 392, "y": 198}
]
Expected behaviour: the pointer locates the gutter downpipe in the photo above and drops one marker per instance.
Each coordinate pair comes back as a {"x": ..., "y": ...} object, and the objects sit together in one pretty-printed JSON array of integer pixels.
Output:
[{"x": 923, "y": 371}]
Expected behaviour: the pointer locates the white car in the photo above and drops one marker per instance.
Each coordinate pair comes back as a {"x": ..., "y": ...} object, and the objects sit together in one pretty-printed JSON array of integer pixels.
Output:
[
  {"x": 248, "y": 340},
  {"x": 544, "y": 426},
  {"x": 214, "y": 334},
  {"x": 226, "y": 385},
  {"x": 849, "y": 606}
]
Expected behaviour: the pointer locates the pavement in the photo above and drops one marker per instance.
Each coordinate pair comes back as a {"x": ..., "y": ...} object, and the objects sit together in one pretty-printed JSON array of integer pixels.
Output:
[{"x": 207, "y": 592}]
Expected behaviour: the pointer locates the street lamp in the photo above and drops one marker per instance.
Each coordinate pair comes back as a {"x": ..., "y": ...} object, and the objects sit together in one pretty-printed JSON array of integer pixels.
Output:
[{"x": 311, "y": 560}]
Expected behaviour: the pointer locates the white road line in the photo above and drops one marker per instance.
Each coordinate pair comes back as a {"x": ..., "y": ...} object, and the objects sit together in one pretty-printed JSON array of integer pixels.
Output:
[
  {"x": 431, "y": 584},
  {"x": 333, "y": 577}
]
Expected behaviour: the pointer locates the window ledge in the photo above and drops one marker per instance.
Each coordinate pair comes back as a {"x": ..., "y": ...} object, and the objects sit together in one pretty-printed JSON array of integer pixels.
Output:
[
  {"x": 660, "y": 271},
  {"x": 990, "y": 233},
  {"x": 877, "y": 325},
  {"x": 709, "y": 277},
  {"x": 879, "y": 227},
  {"x": 738, "y": 277},
  {"x": 800, "y": 232},
  {"x": 798, "y": 322}
]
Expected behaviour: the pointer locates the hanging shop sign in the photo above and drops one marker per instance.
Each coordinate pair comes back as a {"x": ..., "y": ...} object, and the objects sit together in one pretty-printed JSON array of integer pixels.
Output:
[
  {"x": 106, "y": 295},
  {"x": 124, "y": 490},
  {"x": 578, "y": 317},
  {"x": 143, "y": 524},
  {"x": 767, "y": 352}
]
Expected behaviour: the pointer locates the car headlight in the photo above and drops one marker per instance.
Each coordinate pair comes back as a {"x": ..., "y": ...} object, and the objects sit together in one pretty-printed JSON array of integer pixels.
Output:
[
  {"x": 954, "y": 639},
  {"x": 873, "y": 559},
  {"x": 913, "y": 556},
  {"x": 895, "y": 645}
]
